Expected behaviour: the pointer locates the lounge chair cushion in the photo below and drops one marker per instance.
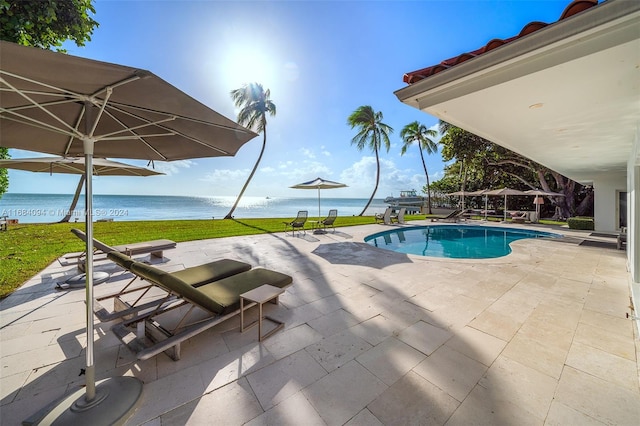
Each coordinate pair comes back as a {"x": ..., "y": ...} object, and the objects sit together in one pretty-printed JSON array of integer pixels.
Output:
[
  {"x": 226, "y": 292},
  {"x": 220, "y": 297},
  {"x": 121, "y": 259},
  {"x": 213, "y": 271}
]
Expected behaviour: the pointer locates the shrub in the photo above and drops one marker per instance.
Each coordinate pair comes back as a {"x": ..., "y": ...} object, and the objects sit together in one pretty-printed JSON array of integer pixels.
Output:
[{"x": 578, "y": 222}]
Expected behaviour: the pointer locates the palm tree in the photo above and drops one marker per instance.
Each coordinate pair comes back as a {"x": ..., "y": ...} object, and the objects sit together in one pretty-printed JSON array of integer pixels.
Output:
[
  {"x": 254, "y": 104},
  {"x": 372, "y": 132},
  {"x": 416, "y": 132}
]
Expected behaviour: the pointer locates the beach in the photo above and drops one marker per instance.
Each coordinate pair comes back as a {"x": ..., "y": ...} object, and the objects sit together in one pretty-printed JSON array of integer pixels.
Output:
[{"x": 45, "y": 208}]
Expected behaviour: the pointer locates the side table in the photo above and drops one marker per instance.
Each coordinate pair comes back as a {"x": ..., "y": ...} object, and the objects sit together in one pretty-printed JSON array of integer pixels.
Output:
[{"x": 260, "y": 296}]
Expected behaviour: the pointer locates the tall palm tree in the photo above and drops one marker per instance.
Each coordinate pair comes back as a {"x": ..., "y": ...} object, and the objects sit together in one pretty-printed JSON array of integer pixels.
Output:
[
  {"x": 254, "y": 104},
  {"x": 416, "y": 132},
  {"x": 372, "y": 132}
]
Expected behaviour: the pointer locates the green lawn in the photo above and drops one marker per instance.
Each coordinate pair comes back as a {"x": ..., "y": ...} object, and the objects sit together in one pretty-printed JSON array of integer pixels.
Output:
[{"x": 26, "y": 249}]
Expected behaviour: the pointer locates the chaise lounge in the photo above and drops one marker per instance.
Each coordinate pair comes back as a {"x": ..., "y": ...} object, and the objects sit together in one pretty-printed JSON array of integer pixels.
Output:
[
  {"x": 217, "y": 301},
  {"x": 454, "y": 216},
  {"x": 155, "y": 248}
]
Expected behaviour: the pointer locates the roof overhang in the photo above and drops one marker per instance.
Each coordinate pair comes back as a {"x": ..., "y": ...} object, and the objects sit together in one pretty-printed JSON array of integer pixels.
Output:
[{"x": 566, "y": 96}]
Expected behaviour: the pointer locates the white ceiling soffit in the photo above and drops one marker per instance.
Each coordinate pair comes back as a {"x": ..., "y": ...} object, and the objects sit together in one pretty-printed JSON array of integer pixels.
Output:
[{"x": 566, "y": 96}]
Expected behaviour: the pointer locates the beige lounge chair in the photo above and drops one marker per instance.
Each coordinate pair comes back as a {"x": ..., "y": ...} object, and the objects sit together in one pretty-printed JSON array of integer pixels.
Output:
[
  {"x": 167, "y": 327},
  {"x": 399, "y": 217},
  {"x": 155, "y": 248},
  {"x": 297, "y": 223},
  {"x": 384, "y": 217}
]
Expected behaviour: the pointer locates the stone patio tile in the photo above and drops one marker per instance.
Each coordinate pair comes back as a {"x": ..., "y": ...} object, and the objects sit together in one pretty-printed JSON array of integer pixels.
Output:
[
  {"x": 333, "y": 323},
  {"x": 234, "y": 403},
  {"x": 284, "y": 378},
  {"x": 11, "y": 385},
  {"x": 544, "y": 357},
  {"x": 413, "y": 400},
  {"x": 597, "y": 398},
  {"x": 604, "y": 365},
  {"x": 327, "y": 304},
  {"x": 483, "y": 407},
  {"x": 36, "y": 358},
  {"x": 229, "y": 367},
  {"x": 19, "y": 410},
  {"x": 364, "y": 418},
  {"x": 525, "y": 387},
  {"x": 451, "y": 371},
  {"x": 424, "y": 337},
  {"x": 293, "y": 411},
  {"x": 613, "y": 324},
  {"x": 461, "y": 311},
  {"x": 601, "y": 339},
  {"x": 334, "y": 351},
  {"x": 559, "y": 314},
  {"x": 168, "y": 393},
  {"x": 561, "y": 415},
  {"x": 497, "y": 324},
  {"x": 343, "y": 393},
  {"x": 291, "y": 341},
  {"x": 476, "y": 345},
  {"x": 376, "y": 329},
  {"x": 390, "y": 360}
]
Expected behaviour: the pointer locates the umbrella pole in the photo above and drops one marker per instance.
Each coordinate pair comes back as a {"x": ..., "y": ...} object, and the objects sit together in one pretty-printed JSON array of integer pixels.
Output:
[{"x": 88, "y": 196}]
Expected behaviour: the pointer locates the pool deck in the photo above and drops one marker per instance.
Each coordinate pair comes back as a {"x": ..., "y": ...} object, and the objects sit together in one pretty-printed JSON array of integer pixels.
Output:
[{"x": 371, "y": 337}]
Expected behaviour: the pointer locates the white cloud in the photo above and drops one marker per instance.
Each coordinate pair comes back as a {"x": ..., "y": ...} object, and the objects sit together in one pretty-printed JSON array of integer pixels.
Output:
[
  {"x": 224, "y": 176},
  {"x": 307, "y": 153},
  {"x": 172, "y": 167}
]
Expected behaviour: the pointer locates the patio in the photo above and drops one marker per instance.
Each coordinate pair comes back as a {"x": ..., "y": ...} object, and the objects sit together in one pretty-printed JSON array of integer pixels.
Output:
[{"x": 371, "y": 337}]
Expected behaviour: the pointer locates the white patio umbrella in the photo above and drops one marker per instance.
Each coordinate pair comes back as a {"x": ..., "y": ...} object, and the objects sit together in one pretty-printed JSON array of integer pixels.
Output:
[
  {"x": 486, "y": 199},
  {"x": 540, "y": 193},
  {"x": 65, "y": 105},
  {"x": 319, "y": 183},
  {"x": 505, "y": 192}
]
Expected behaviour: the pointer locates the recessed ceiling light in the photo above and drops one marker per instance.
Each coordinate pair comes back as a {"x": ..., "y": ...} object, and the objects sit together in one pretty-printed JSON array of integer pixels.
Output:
[{"x": 534, "y": 106}]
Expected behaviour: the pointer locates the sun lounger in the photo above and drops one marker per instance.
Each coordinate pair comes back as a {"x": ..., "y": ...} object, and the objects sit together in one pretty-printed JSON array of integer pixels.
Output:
[
  {"x": 329, "y": 220},
  {"x": 454, "y": 216},
  {"x": 155, "y": 248},
  {"x": 399, "y": 217},
  {"x": 384, "y": 217},
  {"x": 130, "y": 301},
  {"x": 218, "y": 301}
]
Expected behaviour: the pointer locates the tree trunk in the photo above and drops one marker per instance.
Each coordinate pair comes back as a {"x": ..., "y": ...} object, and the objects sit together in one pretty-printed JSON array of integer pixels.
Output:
[
  {"x": 75, "y": 200},
  {"x": 427, "y": 175},
  {"x": 376, "y": 188},
  {"x": 264, "y": 144}
]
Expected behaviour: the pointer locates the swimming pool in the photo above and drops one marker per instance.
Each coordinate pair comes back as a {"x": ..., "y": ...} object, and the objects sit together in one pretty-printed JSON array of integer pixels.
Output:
[{"x": 454, "y": 241}]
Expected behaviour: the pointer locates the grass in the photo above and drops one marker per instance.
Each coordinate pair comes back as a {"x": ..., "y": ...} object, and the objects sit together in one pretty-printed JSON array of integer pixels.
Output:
[{"x": 26, "y": 249}]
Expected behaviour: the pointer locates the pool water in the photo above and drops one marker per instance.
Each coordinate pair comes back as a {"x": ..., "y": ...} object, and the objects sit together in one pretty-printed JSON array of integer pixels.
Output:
[{"x": 454, "y": 241}]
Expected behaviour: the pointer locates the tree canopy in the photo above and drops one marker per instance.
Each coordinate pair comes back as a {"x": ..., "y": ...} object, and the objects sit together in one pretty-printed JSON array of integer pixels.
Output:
[
  {"x": 46, "y": 23},
  {"x": 480, "y": 164},
  {"x": 372, "y": 133}
]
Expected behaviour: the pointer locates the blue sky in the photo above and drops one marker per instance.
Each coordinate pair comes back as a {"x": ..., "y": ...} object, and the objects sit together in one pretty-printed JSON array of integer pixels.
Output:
[{"x": 321, "y": 60}]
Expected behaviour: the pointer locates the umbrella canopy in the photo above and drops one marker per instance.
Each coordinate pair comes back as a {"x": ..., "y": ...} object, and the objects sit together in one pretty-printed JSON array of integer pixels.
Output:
[
  {"x": 75, "y": 165},
  {"x": 65, "y": 105},
  {"x": 540, "y": 193},
  {"x": 463, "y": 194},
  {"x": 319, "y": 183},
  {"x": 505, "y": 192}
]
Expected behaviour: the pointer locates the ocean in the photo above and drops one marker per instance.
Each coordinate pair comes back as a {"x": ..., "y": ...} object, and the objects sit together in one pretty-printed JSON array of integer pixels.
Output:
[{"x": 47, "y": 208}]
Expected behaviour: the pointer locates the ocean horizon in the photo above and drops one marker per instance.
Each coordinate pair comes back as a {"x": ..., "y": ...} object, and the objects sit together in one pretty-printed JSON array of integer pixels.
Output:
[{"x": 49, "y": 208}]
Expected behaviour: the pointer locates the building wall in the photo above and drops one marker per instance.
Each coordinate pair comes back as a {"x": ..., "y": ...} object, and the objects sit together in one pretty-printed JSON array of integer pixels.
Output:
[
  {"x": 606, "y": 189},
  {"x": 633, "y": 230}
]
